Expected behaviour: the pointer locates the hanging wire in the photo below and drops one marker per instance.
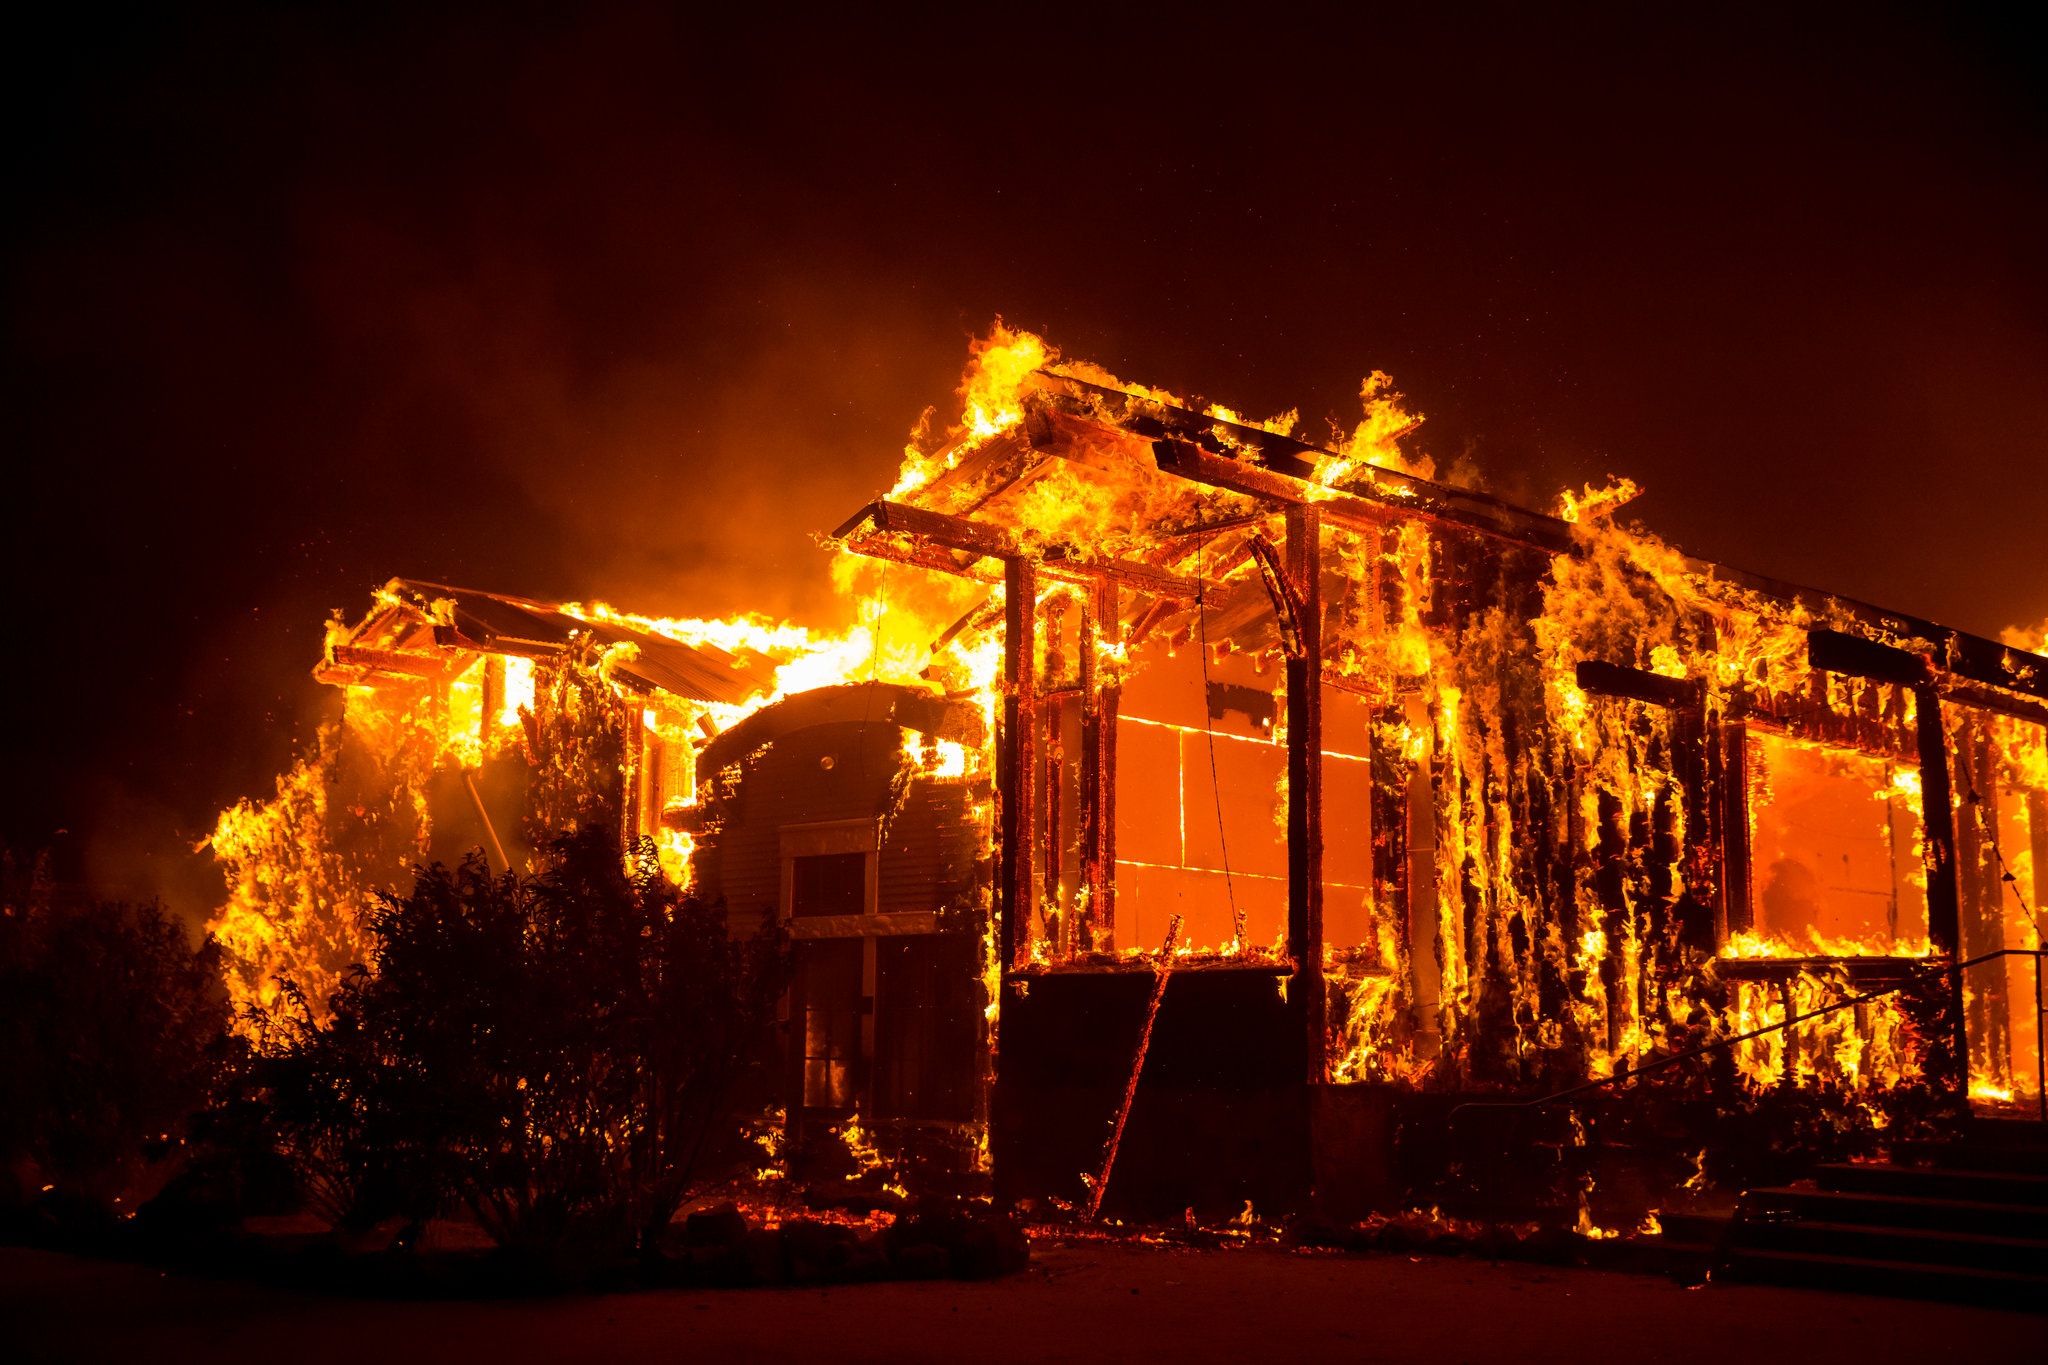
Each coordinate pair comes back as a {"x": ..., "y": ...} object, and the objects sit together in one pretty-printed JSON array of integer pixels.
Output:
[{"x": 1237, "y": 916}]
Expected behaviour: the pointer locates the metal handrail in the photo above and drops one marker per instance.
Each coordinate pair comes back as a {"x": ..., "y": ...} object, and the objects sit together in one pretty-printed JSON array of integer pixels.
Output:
[{"x": 1660, "y": 1063}]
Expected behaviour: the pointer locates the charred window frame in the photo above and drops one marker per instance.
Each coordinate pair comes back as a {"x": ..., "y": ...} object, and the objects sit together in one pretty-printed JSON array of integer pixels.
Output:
[
  {"x": 1817, "y": 782},
  {"x": 1833, "y": 652}
]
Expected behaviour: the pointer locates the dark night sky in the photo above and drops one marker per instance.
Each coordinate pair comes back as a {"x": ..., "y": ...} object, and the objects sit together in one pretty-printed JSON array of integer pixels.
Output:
[{"x": 576, "y": 302}]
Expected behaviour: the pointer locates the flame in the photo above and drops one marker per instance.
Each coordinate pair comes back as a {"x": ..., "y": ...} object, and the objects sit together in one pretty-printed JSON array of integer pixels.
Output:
[
  {"x": 1557, "y": 929},
  {"x": 1371, "y": 445},
  {"x": 2033, "y": 639},
  {"x": 1597, "y": 503},
  {"x": 998, "y": 366},
  {"x": 1812, "y": 943}
]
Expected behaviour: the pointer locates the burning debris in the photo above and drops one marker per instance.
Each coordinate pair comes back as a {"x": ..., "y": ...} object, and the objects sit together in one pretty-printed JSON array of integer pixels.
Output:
[{"x": 1443, "y": 797}]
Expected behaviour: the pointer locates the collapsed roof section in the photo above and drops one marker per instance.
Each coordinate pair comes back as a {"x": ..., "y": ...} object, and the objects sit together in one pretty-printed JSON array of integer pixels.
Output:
[{"x": 421, "y": 630}]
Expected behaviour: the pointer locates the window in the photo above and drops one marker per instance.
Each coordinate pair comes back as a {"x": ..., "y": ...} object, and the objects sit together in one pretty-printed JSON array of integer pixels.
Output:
[
  {"x": 1834, "y": 849},
  {"x": 828, "y": 884}
]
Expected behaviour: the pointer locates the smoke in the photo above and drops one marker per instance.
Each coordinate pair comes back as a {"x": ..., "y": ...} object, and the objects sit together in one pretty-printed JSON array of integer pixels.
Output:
[{"x": 614, "y": 304}]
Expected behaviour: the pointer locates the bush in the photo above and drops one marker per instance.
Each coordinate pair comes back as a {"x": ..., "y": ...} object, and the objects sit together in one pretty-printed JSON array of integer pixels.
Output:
[
  {"x": 555, "y": 1052},
  {"x": 113, "y": 1034}
]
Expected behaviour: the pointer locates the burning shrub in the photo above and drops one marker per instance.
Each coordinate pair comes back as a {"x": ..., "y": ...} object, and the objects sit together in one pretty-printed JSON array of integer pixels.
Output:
[
  {"x": 113, "y": 1032},
  {"x": 302, "y": 865},
  {"x": 553, "y": 1051}
]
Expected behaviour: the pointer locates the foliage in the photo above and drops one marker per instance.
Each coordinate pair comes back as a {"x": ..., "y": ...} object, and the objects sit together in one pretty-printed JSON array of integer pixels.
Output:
[
  {"x": 578, "y": 738},
  {"x": 113, "y": 1033},
  {"x": 554, "y": 1051},
  {"x": 302, "y": 865}
]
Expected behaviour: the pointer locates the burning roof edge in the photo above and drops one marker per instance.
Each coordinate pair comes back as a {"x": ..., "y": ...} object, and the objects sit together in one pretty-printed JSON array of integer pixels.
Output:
[
  {"x": 1265, "y": 464},
  {"x": 497, "y": 623}
]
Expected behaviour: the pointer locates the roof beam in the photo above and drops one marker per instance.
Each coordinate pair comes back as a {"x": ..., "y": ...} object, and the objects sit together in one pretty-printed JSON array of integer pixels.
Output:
[{"x": 979, "y": 539}]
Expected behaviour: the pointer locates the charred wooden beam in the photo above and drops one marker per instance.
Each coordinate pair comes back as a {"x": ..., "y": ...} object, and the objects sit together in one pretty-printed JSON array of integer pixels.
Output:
[
  {"x": 1305, "y": 784},
  {"x": 1282, "y": 469},
  {"x": 1981, "y": 898},
  {"x": 1061, "y": 560},
  {"x": 1733, "y": 912},
  {"x": 938, "y": 528},
  {"x": 1617, "y": 680},
  {"x": 1288, "y": 608},
  {"x": 1100, "y": 626},
  {"x": 1017, "y": 892},
  {"x": 1986, "y": 699},
  {"x": 1987, "y": 661},
  {"x": 1296, "y": 462},
  {"x": 1053, "y": 697},
  {"x": 406, "y": 662},
  {"x": 983, "y": 540},
  {"x": 980, "y": 474},
  {"x": 980, "y": 614},
  {"x": 1353, "y": 510},
  {"x": 1937, "y": 821},
  {"x": 1197, "y": 465},
  {"x": 1956, "y": 654},
  {"x": 1944, "y": 895},
  {"x": 1207, "y": 529},
  {"x": 921, "y": 555},
  {"x": 1692, "y": 762},
  {"x": 1860, "y": 658},
  {"x": 1610, "y": 884}
]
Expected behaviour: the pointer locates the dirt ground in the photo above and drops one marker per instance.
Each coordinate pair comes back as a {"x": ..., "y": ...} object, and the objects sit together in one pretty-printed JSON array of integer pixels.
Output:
[{"x": 1081, "y": 1301}]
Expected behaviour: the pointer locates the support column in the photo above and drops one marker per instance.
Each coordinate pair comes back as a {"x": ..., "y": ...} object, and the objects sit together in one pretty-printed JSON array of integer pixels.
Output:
[
  {"x": 1305, "y": 785},
  {"x": 1101, "y": 625},
  {"x": 1016, "y": 846},
  {"x": 1017, "y": 882},
  {"x": 1980, "y": 902},
  {"x": 1733, "y": 912},
  {"x": 1938, "y": 824},
  {"x": 1938, "y": 837}
]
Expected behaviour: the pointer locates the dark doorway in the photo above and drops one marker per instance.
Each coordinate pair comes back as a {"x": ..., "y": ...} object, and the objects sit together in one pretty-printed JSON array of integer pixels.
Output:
[
  {"x": 925, "y": 1027},
  {"x": 826, "y": 1010}
]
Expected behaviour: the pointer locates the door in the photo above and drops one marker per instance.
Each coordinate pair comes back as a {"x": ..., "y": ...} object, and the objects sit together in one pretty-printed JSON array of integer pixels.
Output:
[
  {"x": 927, "y": 1008},
  {"x": 825, "y": 1011}
]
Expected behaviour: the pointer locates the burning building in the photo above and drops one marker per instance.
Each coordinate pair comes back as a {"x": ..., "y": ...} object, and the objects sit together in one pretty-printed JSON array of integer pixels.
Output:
[{"x": 1205, "y": 807}]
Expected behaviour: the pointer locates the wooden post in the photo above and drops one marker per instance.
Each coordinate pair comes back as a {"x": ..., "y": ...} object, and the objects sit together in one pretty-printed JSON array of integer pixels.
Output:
[
  {"x": 1981, "y": 900},
  {"x": 1056, "y": 923},
  {"x": 1938, "y": 837},
  {"x": 1938, "y": 824},
  {"x": 1017, "y": 891},
  {"x": 1305, "y": 785},
  {"x": 1733, "y": 913},
  {"x": 1691, "y": 764},
  {"x": 1425, "y": 957},
  {"x": 1100, "y": 626},
  {"x": 1610, "y": 880}
]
